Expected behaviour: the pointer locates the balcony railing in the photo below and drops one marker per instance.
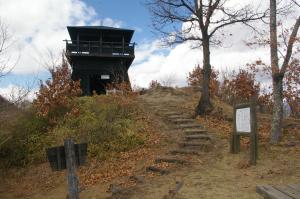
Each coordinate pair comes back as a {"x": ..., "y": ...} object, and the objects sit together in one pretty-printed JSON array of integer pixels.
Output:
[{"x": 95, "y": 48}]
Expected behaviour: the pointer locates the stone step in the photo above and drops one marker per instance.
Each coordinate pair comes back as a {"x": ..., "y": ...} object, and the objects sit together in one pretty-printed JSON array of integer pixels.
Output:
[
  {"x": 182, "y": 121},
  {"x": 178, "y": 116},
  {"x": 157, "y": 170},
  {"x": 170, "y": 160},
  {"x": 203, "y": 146},
  {"x": 164, "y": 110},
  {"x": 170, "y": 113},
  {"x": 190, "y": 125},
  {"x": 185, "y": 152},
  {"x": 196, "y": 131},
  {"x": 197, "y": 137}
]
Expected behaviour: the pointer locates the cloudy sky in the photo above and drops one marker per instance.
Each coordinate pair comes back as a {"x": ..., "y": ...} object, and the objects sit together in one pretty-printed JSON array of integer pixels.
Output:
[{"x": 39, "y": 26}]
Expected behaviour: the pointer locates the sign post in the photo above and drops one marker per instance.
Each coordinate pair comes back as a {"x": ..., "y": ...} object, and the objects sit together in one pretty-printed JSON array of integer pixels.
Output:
[
  {"x": 68, "y": 157},
  {"x": 71, "y": 167},
  {"x": 244, "y": 124}
]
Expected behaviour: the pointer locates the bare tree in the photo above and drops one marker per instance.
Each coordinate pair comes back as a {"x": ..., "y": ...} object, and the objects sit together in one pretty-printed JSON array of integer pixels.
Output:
[
  {"x": 6, "y": 42},
  {"x": 198, "y": 21},
  {"x": 278, "y": 71}
]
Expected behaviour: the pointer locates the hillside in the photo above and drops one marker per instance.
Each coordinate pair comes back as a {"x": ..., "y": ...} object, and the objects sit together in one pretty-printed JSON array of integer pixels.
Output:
[{"x": 168, "y": 154}]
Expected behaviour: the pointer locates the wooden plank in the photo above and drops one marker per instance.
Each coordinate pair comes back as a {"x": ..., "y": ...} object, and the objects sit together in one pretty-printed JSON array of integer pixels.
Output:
[
  {"x": 158, "y": 170},
  {"x": 269, "y": 192},
  {"x": 190, "y": 125},
  {"x": 253, "y": 136},
  {"x": 71, "y": 167},
  {"x": 295, "y": 186},
  {"x": 289, "y": 191},
  {"x": 194, "y": 131},
  {"x": 170, "y": 160},
  {"x": 4, "y": 140}
]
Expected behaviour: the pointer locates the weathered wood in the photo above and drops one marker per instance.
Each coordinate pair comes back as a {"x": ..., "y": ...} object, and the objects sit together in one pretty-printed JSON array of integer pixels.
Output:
[
  {"x": 289, "y": 191},
  {"x": 5, "y": 140},
  {"x": 170, "y": 160},
  {"x": 179, "y": 116},
  {"x": 269, "y": 192},
  {"x": 190, "y": 125},
  {"x": 185, "y": 152},
  {"x": 57, "y": 158},
  {"x": 71, "y": 168},
  {"x": 234, "y": 138},
  {"x": 192, "y": 145},
  {"x": 295, "y": 186},
  {"x": 182, "y": 121},
  {"x": 157, "y": 170},
  {"x": 198, "y": 137},
  {"x": 169, "y": 113},
  {"x": 253, "y": 136},
  {"x": 236, "y": 135},
  {"x": 194, "y": 131}
]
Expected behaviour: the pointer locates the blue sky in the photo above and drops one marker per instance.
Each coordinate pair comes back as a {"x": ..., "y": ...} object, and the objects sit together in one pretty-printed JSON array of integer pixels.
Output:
[{"x": 122, "y": 10}]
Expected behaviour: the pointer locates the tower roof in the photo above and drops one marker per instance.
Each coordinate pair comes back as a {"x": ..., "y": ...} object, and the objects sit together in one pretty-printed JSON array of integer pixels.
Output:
[{"x": 96, "y": 30}]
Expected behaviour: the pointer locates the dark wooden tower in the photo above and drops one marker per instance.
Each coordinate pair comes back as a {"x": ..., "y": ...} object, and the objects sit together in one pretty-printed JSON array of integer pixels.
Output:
[{"x": 99, "y": 55}]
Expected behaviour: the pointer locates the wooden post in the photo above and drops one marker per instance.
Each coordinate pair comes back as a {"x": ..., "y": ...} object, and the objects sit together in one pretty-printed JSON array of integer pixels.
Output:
[
  {"x": 254, "y": 139},
  {"x": 71, "y": 168},
  {"x": 235, "y": 139}
]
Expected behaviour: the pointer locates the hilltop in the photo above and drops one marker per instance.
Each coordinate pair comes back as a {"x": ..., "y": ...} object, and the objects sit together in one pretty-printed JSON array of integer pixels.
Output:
[{"x": 146, "y": 135}]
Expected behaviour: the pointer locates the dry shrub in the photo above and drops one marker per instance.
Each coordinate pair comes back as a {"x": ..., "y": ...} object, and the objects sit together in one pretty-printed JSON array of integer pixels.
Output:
[
  {"x": 55, "y": 97},
  {"x": 195, "y": 78},
  {"x": 123, "y": 88},
  {"x": 154, "y": 84},
  {"x": 239, "y": 88},
  {"x": 108, "y": 123}
]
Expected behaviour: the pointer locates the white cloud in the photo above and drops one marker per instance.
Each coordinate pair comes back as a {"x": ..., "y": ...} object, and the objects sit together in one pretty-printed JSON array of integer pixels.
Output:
[
  {"x": 232, "y": 55},
  {"x": 112, "y": 23},
  {"x": 14, "y": 92},
  {"x": 151, "y": 64},
  {"x": 40, "y": 25}
]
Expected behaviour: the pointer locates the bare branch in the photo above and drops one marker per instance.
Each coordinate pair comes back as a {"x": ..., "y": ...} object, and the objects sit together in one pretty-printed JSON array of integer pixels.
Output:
[
  {"x": 6, "y": 42},
  {"x": 290, "y": 46},
  {"x": 297, "y": 3}
]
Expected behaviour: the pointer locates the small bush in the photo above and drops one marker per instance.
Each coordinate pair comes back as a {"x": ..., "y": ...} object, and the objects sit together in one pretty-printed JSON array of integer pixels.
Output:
[
  {"x": 54, "y": 98},
  {"x": 239, "y": 88},
  {"x": 28, "y": 138},
  {"x": 154, "y": 84},
  {"x": 195, "y": 78},
  {"x": 108, "y": 124}
]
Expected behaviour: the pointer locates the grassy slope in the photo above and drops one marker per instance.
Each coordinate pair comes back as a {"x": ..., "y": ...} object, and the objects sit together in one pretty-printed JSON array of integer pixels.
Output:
[{"x": 217, "y": 175}]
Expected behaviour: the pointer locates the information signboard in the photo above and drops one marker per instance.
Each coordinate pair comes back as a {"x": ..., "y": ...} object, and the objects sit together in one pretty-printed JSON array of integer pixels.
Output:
[
  {"x": 244, "y": 124},
  {"x": 243, "y": 121}
]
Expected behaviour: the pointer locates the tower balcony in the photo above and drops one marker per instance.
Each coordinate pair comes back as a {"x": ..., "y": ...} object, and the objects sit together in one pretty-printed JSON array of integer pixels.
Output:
[{"x": 101, "y": 49}]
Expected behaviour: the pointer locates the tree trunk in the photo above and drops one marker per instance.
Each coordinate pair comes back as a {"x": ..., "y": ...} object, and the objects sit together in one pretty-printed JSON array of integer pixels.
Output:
[
  {"x": 204, "y": 105},
  {"x": 277, "y": 109},
  {"x": 276, "y": 76}
]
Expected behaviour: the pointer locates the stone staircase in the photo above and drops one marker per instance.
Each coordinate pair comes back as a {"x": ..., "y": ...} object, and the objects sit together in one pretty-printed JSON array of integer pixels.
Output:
[
  {"x": 194, "y": 139},
  {"x": 189, "y": 141}
]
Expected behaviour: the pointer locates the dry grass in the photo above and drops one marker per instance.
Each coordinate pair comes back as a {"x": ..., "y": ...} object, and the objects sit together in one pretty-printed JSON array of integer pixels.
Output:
[{"x": 218, "y": 174}]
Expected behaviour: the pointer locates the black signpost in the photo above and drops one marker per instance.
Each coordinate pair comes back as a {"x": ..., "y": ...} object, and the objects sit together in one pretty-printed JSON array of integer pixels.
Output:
[
  {"x": 245, "y": 124},
  {"x": 68, "y": 157}
]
